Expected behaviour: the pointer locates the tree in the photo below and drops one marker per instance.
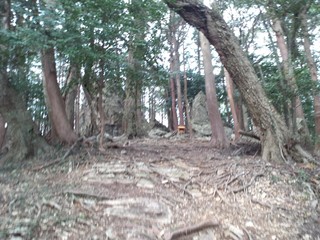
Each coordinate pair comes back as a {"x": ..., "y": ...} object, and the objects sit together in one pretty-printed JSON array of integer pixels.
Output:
[
  {"x": 218, "y": 136},
  {"x": 312, "y": 69},
  {"x": 230, "y": 91},
  {"x": 55, "y": 103},
  {"x": 20, "y": 131},
  {"x": 278, "y": 143},
  {"x": 296, "y": 109}
]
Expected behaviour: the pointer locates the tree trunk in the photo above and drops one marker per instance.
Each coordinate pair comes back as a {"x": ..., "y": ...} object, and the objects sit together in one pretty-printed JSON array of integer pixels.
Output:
[
  {"x": 56, "y": 108},
  {"x": 132, "y": 119},
  {"x": 185, "y": 92},
  {"x": 313, "y": 72},
  {"x": 297, "y": 113},
  {"x": 176, "y": 58},
  {"x": 72, "y": 86},
  {"x": 233, "y": 108},
  {"x": 277, "y": 142},
  {"x": 19, "y": 137},
  {"x": 173, "y": 113},
  {"x": 100, "y": 105},
  {"x": 218, "y": 137}
]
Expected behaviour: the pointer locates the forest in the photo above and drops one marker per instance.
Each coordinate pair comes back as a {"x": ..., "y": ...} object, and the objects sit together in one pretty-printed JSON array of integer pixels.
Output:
[{"x": 226, "y": 93}]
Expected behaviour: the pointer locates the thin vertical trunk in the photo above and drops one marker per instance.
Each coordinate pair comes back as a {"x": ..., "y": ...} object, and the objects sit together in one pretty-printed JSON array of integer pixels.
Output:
[
  {"x": 177, "y": 75},
  {"x": 77, "y": 111},
  {"x": 313, "y": 72},
  {"x": 296, "y": 105},
  {"x": 173, "y": 112},
  {"x": 3, "y": 130},
  {"x": 56, "y": 108},
  {"x": 100, "y": 105},
  {"x": 72, "y": 86},
  {"x": 172, "y": 39},
  {"x": 198, "y": 52},
  {"x": 285, "y": 106},
  {"x": 218, "y": 137},
  {"x": 185, "y": 92},
  {"x": 230, "y": 90}
]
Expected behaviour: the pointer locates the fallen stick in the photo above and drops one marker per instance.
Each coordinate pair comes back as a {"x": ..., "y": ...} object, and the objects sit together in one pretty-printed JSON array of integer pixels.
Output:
[
  {"x": 191, "y": 229},
  {"x": 249, "y": 134},
  {"x": 247, "y": 185}
]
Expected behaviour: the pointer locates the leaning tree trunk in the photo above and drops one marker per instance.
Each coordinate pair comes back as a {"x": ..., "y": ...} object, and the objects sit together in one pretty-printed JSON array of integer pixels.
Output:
[{"x": 277, "y": 142}]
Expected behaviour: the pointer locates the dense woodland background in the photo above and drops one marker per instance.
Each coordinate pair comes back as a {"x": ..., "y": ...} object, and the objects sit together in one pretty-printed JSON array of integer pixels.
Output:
[{"x": 79, "y": 68}]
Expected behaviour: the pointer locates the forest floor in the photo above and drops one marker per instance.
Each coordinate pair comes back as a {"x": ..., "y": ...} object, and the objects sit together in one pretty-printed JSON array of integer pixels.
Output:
[{"x": 159, "y": 189}]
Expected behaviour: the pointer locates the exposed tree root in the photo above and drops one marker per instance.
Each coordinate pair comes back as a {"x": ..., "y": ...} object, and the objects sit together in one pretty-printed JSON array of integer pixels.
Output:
[
  {"x": 191, "y": 229},
  {"x": 247, "y": 185}
]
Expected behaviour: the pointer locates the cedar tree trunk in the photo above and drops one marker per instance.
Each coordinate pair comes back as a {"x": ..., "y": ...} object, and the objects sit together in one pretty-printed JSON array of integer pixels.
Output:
[
  {"x": 277, "y": 142},
  {"x": 72, "y": 86},
  {"x": 313, "y": 72},
  {"x": 19, "y": 138},
  {"x": 297, "y": 113},
  {"x": 235, "y": 115},
  {"x": 56, "y": 108},
  {"x": 218, "y": 136}
]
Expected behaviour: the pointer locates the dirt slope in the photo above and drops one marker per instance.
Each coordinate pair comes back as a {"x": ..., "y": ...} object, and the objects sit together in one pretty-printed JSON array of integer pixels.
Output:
[{"x": 159, "y": 189}]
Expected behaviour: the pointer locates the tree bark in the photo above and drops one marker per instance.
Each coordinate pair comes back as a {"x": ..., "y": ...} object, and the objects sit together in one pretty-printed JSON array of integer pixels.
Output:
[
  {"x": 19, "y": 136},
  {"x": 218, "y": 136},
  {"x": 185, "y": 92},
  {"x": 72, "y": 86},
  {"x": 277, "y": 142},
  {"x": 313, "y": 72},
  {"x": 176, "y": 59},
  {"x": 171, "y": 38},
  {"x": 56, "y": 108},
  {"x": 100, "y": 105},
  {"x": 234, "y": 113},
  {"x": 297, "y": 113}
]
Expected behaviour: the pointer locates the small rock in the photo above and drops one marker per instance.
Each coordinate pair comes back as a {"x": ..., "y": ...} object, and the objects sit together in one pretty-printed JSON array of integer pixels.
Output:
[
  {"x": 314, "y": 204},
  {"x": 110, "y": 234},
  {"x": 306, "y": 237},
  {"x": 220, "y": 172},
  {"x": 123, "y": 152},
  {"x": 249, "y": 224},
  {"x": 145, "y": 183}
]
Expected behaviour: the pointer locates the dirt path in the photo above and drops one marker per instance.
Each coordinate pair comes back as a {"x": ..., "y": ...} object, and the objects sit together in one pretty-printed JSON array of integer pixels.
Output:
[{"x": 160, "y": 189}]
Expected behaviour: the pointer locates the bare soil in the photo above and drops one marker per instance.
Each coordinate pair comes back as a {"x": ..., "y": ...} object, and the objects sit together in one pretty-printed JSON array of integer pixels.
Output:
[{"x": 159, "y": 189}]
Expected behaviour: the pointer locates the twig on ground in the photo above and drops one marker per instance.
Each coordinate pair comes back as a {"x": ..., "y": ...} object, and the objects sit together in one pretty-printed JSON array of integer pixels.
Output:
[
  {"x": 174, "y": 184},
  {"x": 84, "y": 194},
  {"x": 247, "y": 185},
  {"x": 52, "y": 205},
  {"x": 191, "y": 229},
  {"x": 223, "y": 198},
  {"x": 261, "y": 204}
]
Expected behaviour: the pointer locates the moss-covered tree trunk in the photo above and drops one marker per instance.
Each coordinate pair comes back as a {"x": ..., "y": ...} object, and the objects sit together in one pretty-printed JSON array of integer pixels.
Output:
[
  {"x": 19, "y": 138},
  {"x": 277, "y": 142}
]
